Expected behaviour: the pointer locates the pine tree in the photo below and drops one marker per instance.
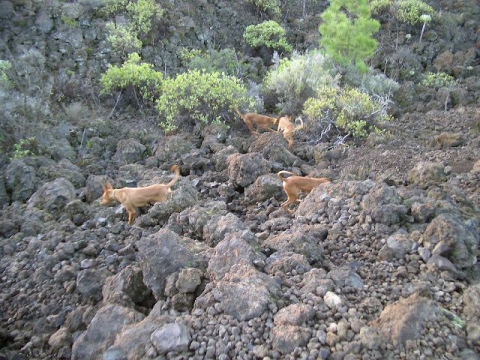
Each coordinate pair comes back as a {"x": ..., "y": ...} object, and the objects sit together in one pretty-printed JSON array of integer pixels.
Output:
[{"x": 347, "y": 32}]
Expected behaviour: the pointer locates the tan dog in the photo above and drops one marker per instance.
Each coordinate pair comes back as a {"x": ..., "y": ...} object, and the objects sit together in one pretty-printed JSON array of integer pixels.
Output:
[
  {"x": 294, "y": 185},
  {"x": 133, "y": 198},
  {"x": 260, "y": 121},
  {"x": 288, "y": 129}
]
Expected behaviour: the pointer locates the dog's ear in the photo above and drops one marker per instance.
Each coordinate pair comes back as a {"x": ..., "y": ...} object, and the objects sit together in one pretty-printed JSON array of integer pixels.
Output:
[{"x": 106, "y": 185}]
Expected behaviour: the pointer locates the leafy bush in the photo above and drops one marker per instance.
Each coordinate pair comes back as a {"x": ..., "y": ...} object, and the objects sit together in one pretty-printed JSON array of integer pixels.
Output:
[
  {"x": 438, "y": 80},
  {"x": 410, "y": 11},
  {"x": 267, "y": 6},
  {"x": 200, "y": 96},
  {"x": 380, "y": 6},
  {"x": 295, "y": 80},
  {"x": 223, "y": 61},
  {"x": 25, "y": 147},
  {"x": 371, "y": 83},
  {"x": 5, "y": 66},
  {"x": 350, "y": 110},
  {"x": 123, "y": 40},
  {"x": 347, "y": 32},
  {"x": 269, "y": 34},
  {"x": 133, "y": 74},
  {"x": 141, "y": 15},
  {"x": 25, "y": 95}
]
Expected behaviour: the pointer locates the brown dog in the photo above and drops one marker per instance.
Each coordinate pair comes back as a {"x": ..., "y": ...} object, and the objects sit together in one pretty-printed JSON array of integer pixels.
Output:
[
  {"x": 288, "y": 129},
  {"x": 294, "y": 185},
  {"x": 260, "y": 121},
  {"x": 133, "y": 198}
]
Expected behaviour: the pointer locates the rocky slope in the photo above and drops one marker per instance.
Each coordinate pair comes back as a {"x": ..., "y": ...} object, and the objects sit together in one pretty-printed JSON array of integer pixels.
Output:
[{"x": 379, "y": 264}]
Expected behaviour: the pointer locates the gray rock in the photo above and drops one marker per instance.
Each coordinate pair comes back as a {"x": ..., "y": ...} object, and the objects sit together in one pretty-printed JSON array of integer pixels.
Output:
[
  {"x": 265, "y": 187},
  {"x": 60, "y": 338},
  {"x": 170, "y": 147},
  {"x": 283, "y": 262},
  {"x": 193, "y": 219},
  {"x": 188, "y": 280},
  {"x": 235, "y": 248},
  {"x": 216, "y": 229},
  {"x": 244, "y": 169},
  {"x": 129, "y": 151},
  {"x": 273, "y": 147},
  {"x": 460, "y": 239},
  {"x": 471, "y": 299},
  {"x": 295, "y": 314},
  {"x": 297, "y": 241},
  {"x": 345, "y": 276},
  {"x": 285, "y": 338},
  {"x": 219, "y": 159},
  {"x": 133, "y": 340},
  {"x": 426, "y": 174},
  {"x": 244, "y": 292},
  {"x": 62, "y": 169},
  {"x": 20, "y": 180},
  {"x": 160, "y": 255},
  {"x": 126, "y": 288},
  {"x": 102, "y": 330},
  {"x": 90, "y": 283},
  {"x": 370, "y": 337},
  {"x": 53, "y": 196},
  {"x": 171, "y": 337},
  {"x": 406, "y": 319}
]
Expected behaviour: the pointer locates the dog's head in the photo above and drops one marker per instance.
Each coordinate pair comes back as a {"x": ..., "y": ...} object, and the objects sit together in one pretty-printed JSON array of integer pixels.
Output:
[{"x": 107, "y": 196}]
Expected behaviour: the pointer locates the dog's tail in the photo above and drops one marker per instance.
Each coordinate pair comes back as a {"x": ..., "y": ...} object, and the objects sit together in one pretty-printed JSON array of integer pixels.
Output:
[
  {"x": 176, "y": 171},
  {"x": 280, "y": 173},
  {"x": 301, "y": 123},
  {"x": 238, "y": 112}
]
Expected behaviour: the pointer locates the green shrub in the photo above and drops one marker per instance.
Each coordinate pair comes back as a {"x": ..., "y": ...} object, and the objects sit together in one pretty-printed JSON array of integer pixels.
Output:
[
  {"x": 294, "y": 80},
  {"x": 267, "y": 6},
  {"x": 140, "y": 14},
  {"x": 347, "y": 32},
  {"x": 438, "y": 80},
  {"x": 5, "y": 66},
  {"x": 25, "y": 147},
  {"x": 380, "y": 6},
  {"x": 410, "y": 11},
  {"x": 140, "y": 77},
  {"x": 371, "y": 83},
  {"x": 349, "y": 110},
  {"x": 223, "y": 61},
  {"x": 269, "y": 34},
  {"x": 199, "y": 97},
  {"x": 122, "y": 39}
]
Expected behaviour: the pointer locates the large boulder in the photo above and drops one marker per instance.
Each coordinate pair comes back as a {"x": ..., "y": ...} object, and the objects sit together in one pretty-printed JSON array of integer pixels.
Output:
[
  {"x": 102, "y": 331},
  {"x": 406, "y": 319},
  {"x": 273, "y": 147},
  {"x": 20, "y": 180},
  {"x": 160, "y": 255},
  {"x": 244, "y": 169},
  {"x": 265, "y": 187},
  {"x": 426, "y": 174},
  {"x": 452, "y": 237},
  {"x": 245, "y": 293},
  {"x": 53, "y": 196},
  {"x": 129, "y": 151}
]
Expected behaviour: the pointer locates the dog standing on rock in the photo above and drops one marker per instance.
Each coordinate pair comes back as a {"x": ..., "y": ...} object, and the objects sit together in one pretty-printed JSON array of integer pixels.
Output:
[
  {"x": 133, "y": 198},
  {"x": 294, "y": 185},
  {"x": 288, "y": 129},
  {"x": 260, "y": 121}
]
